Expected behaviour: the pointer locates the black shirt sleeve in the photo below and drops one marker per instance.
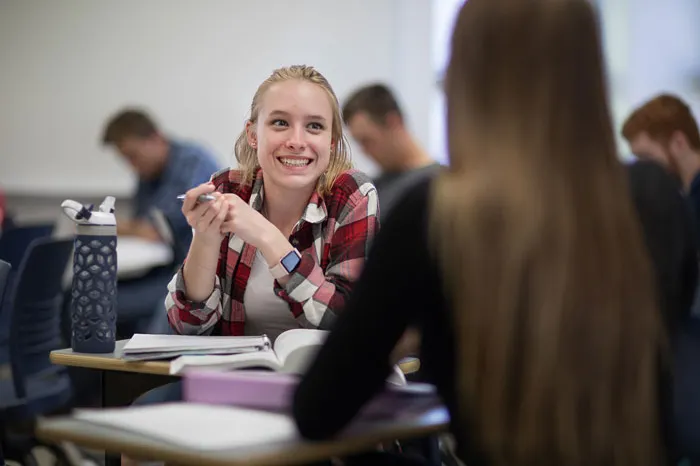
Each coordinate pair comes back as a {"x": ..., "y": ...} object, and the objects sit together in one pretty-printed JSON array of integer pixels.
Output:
[{"x": 354, "y": 363}]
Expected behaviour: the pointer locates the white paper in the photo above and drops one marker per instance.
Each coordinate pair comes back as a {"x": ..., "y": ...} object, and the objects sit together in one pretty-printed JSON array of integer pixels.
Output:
[
  {"x": 226, "y": 362},
  {"x": 293, "y": 339},
  {"x": 146, "y": 343},
  {"x": 197, "y": 426}
]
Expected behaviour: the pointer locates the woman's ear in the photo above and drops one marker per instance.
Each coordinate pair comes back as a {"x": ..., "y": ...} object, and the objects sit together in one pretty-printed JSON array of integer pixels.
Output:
[{"x": 251, "y": 135}]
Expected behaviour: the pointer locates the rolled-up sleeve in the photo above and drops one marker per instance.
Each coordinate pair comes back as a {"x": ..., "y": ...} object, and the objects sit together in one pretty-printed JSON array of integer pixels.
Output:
[
  {"x": 322, "y": 292},
  {"x": 187, "y": 317}
]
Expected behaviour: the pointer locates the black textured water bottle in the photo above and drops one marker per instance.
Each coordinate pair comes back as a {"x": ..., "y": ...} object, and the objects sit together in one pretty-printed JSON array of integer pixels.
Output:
[{"x": 94, "y": 290}]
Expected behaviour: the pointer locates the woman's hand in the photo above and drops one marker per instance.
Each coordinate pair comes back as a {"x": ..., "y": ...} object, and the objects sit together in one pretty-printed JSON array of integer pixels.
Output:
[
  {"x": 253, "y": 228},
  {"x": 206, "y": 218},
  {"x": 246, "y": 223}
]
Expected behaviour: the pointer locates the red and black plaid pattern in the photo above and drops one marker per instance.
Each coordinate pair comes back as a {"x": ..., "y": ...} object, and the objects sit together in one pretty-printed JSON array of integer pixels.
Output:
[{"x": 333, "y": 237}]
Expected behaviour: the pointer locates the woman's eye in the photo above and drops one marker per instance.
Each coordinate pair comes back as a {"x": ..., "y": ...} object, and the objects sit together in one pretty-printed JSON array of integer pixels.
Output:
[
  {"x": 316, "y": 126},
  {"x": 279, "y": 123}
]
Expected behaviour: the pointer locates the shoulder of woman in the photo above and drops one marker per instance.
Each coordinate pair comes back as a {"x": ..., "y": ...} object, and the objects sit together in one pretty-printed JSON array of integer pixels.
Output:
[{"x": 353, "y": 183}]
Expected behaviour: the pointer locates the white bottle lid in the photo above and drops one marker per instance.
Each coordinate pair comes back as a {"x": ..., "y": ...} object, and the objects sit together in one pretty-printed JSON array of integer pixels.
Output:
[{"x": 83, "y": 215}]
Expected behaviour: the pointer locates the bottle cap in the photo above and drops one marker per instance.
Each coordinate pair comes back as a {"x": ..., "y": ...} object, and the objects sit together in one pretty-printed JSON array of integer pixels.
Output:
[{"x": 85, "y": 215}]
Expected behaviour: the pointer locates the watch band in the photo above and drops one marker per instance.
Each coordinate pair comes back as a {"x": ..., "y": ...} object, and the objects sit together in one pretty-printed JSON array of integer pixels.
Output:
[{"x": 286, "y": 265}]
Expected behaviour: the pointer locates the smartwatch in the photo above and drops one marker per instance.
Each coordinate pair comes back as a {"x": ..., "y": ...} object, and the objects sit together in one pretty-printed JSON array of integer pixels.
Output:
[{"x": 286, "y": 265}]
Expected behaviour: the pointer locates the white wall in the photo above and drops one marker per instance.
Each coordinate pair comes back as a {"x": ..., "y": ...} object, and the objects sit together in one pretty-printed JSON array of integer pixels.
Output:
[
  {"x": 651, "y": 47},
  {"x": 195, "y": 64}
]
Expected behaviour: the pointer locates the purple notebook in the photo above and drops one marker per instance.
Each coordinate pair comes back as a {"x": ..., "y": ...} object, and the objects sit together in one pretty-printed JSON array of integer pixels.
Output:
[{"x": 273, "y": 391}]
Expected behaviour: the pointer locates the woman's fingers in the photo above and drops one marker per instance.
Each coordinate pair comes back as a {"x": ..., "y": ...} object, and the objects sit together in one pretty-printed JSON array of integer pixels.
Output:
[
  {"x": 190, "y": 202},
  {"x": 211, "y": 213},
  {"x": 220, "y": 218}
]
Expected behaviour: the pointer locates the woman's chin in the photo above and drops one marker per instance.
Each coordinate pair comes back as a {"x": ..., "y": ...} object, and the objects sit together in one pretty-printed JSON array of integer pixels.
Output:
[{"x": 296, "y": 181}]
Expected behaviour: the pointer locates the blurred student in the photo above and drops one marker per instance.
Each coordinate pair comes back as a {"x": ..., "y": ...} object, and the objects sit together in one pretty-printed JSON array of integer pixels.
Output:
[
  {"x": 165, "y": 167},
  {"x": 375, "y": 120},
  {"x": 664, "y": 130},
  {"x": 539, "y": 289}
]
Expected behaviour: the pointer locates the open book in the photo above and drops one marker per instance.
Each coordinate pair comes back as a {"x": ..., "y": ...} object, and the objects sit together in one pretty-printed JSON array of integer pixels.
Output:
[
  {"x": 148, "y": 347},
  {"x": 292, "y": 351}
]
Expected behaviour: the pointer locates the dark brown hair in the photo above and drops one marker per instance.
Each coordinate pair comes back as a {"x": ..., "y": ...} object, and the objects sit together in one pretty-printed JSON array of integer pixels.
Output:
[
  {"x": 660, "y": 117},
  {"x": 376, "y": 100},
  {"x": 542, "y": 255},
  {"x": 128, "y": 123}
]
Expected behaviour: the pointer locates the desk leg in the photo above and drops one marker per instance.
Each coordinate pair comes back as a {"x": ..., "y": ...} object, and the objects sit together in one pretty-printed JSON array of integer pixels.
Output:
[{"x": 122, "y": 388}]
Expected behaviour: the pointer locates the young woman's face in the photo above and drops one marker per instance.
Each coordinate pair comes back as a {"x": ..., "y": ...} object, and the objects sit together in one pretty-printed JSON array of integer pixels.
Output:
[{"x": 293, "y": 134}]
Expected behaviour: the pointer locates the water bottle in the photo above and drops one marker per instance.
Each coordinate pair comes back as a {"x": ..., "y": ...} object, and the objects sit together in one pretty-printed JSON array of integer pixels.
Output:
[{"x": 94, "y": 287}]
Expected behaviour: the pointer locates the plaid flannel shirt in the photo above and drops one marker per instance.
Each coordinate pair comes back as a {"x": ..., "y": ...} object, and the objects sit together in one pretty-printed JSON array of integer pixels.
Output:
[{"x": 333, "y": 237}]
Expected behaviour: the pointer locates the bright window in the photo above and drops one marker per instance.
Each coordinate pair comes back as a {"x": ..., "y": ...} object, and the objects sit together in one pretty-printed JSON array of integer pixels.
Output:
[{"x": 650, "y": 47}]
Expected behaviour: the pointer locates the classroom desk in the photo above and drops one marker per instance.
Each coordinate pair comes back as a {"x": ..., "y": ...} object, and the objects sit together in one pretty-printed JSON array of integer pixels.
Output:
[
  {"x": 137, "y": 256},
  {"x": 113, "y": 362},
  {"x": 361, "y": 437},
  {"x": 123, "y": 381}
]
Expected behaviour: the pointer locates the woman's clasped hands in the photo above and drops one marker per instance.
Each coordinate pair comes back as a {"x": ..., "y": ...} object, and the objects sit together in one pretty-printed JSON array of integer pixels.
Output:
[{"x": 227, "y": 213}]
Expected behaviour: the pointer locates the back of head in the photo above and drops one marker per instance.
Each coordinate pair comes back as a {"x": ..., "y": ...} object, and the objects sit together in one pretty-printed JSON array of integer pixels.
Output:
[
  {"x": 375, "y": 100},
  {"x": 659, "y": 118},
  {"x": 129, "y": 123},
  {"x": 539, "y": 246}
]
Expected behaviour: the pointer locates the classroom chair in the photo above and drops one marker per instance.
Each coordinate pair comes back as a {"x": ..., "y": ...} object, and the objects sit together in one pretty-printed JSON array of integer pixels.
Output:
[
  {"x": 14, "y": 242},
  {"x": 13, "y": 245},
  {"x": 36, "y": 387}
]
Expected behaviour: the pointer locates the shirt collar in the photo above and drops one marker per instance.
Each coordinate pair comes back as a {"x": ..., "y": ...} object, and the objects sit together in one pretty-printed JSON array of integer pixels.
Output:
[{"x": 315, "y": 211}]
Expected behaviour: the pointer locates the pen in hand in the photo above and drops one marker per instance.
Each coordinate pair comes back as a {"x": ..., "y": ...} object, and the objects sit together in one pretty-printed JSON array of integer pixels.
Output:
[{"x": 202, "y": 198}]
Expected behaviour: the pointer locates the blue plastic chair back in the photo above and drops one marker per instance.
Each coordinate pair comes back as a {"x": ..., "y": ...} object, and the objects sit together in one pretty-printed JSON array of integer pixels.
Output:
[
  {"x": 36, "y": 304},
  {"x": 14, "y": 242},
  {"x": 5, "y": 269}
]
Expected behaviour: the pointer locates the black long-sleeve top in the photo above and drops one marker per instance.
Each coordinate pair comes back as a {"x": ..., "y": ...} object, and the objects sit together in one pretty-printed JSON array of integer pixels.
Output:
[{"x": 401, "y": 287}]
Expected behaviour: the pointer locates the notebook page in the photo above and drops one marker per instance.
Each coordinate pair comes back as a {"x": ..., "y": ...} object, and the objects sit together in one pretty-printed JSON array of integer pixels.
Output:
[
  {"x": 197, "y": 426},
  {"x": 142, "y": 343},
  {"x": 226, "y": 362},
  {"x": 293, "y": 339}
]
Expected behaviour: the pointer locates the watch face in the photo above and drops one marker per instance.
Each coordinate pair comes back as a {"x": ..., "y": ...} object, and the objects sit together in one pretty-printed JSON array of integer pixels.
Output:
[{"x": 290, "y": 261}]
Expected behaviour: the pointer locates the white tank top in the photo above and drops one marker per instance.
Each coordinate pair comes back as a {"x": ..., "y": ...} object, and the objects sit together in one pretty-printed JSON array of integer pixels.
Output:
[{"x": 265, "y": 312}]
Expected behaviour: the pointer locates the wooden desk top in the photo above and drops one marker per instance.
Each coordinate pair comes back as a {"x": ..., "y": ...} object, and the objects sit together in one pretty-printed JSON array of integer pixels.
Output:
[
  {"x": 109, "y": 361},
  {"x": 113, "y": 362},
  {"x": 359, "y": 438}
]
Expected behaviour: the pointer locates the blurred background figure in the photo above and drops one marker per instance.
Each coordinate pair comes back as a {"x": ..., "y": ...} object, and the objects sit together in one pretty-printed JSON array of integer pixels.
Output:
[
  {"x": 664, "y": 130},
  {"x": 165, "y": 167},
  {"x": 376, "y": 122}
]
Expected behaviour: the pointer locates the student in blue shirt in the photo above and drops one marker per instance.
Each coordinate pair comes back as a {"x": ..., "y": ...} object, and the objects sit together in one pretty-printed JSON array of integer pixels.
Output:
[{"x": 165, "y": 168}]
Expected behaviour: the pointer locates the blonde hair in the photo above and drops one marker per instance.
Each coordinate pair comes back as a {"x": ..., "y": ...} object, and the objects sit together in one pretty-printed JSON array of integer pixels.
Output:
[
  {"x": 558, "y": 335},
  {"x": 340, "y": 154}
]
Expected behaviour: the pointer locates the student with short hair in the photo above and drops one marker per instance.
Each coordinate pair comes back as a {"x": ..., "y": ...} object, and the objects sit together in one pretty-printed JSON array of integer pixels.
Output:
[
  {"x": 165, "y": 167},
  {"x": 375, "y": 120}
]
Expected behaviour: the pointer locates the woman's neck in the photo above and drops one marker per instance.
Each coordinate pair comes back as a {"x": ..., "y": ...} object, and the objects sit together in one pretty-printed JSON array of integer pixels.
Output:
[{"x": 283, "y": 208}]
